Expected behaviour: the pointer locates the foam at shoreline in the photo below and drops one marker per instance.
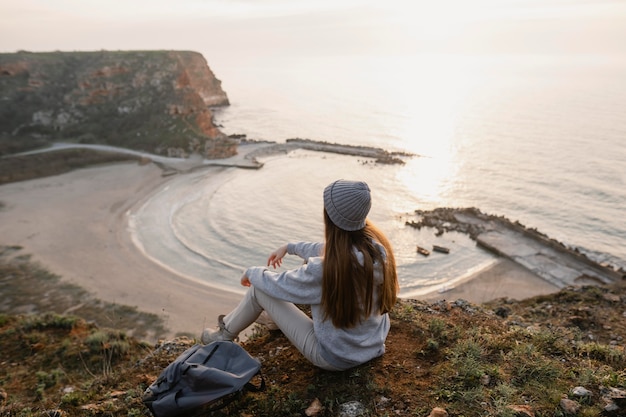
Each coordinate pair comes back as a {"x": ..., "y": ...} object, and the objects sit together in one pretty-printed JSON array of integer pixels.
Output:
[{"x": 89, "y": 239}]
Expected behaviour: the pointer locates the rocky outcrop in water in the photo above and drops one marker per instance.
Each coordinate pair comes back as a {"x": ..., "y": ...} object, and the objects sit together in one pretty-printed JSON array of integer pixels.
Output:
[
  {"x": 547, "y": 258},
  {"x": 154, "y": 101}
]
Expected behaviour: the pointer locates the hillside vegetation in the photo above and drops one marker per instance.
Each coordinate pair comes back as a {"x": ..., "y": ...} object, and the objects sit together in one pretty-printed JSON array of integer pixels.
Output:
[
  {"x": 555, "y": 355},
  {"x": 154, "y": 101}
]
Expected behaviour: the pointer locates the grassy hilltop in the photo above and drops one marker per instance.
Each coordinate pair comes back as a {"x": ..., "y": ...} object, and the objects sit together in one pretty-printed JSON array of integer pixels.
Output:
[{"x": 555, "y": 355}]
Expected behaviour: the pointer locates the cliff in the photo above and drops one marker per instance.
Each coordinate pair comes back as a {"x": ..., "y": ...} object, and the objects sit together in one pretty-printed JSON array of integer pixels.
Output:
[{"x": 154, "y": 101}]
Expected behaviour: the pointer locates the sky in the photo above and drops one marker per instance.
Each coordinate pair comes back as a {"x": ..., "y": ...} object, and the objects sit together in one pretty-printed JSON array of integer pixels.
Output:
[{"x": 238, "y": 29}]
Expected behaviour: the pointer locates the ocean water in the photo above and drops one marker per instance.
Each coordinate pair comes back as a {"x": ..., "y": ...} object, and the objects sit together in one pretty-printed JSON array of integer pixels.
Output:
[{"x": 540, "y": 140}]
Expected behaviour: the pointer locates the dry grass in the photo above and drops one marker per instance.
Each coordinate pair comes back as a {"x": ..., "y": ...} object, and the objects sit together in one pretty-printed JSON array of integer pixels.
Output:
[{"x": 458, "y": 356}]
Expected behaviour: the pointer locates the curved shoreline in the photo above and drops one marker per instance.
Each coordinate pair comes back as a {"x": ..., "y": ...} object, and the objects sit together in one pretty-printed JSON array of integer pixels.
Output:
[{"x": 85, "y": 238}]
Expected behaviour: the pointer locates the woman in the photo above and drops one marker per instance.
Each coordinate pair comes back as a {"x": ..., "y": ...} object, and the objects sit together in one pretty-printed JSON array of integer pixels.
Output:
[{"x": 350, "y": 282}]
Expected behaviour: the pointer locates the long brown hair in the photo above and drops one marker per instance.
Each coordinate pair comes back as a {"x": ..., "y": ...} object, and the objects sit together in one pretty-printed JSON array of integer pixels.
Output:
[{"x": 348, "y": 286}]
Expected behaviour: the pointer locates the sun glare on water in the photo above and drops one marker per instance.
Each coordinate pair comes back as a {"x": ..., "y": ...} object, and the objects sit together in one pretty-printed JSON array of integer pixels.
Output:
[{"x": 433, "y": 96}]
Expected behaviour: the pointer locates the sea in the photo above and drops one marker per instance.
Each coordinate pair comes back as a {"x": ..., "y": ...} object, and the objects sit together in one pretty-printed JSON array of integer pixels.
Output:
[{"x": 536, "y": 139}]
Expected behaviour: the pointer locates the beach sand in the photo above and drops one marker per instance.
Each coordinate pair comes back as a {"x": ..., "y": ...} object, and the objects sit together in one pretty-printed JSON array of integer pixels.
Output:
[
  {"x": 505, "y": 278},
  {"x": 76, "y": 226}
]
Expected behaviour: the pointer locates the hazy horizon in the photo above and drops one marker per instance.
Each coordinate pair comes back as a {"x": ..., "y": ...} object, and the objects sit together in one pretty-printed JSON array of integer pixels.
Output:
[{"x": 237, "y": 31}]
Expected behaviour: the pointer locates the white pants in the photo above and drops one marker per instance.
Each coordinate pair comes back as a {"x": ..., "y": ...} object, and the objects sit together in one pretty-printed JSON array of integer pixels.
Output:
[{"x": 293, "y": 322}]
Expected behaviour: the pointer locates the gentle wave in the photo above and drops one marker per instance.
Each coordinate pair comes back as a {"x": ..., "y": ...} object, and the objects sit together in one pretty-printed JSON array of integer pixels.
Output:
[
  {"x": 212, "y": 226},
  {"x": 540, "y": 142}
]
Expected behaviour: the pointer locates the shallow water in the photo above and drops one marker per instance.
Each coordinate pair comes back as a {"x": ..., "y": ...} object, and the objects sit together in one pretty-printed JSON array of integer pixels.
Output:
[
  {"x": 540, "y": 141},
  {"x": 212, "y": 225}
]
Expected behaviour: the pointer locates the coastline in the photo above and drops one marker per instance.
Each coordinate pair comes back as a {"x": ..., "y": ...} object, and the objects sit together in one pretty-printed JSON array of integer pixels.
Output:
[
  {"x": 503, "y": 279},
  {"x": 85, "y": 239}
]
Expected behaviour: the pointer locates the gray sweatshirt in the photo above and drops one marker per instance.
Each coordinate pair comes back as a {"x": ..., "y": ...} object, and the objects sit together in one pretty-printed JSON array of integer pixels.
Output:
[{"x": 342, "y": 348}]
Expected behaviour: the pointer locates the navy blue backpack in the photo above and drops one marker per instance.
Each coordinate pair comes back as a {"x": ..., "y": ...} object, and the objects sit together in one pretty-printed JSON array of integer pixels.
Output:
[{"x": 203, "y": 378}]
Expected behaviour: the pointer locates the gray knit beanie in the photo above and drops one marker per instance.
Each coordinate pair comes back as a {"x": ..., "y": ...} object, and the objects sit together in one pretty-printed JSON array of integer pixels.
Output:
[{"x": 347, "y": 203}]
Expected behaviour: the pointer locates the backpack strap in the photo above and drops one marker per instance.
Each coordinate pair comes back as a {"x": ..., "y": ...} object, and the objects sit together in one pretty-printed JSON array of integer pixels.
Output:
[
  {"x": 253, "y": 388},
  {"x": 219, "y": 403}
]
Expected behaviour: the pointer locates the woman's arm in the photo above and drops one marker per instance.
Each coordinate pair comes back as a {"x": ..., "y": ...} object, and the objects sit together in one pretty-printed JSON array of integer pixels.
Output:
[
  {"x": 276, "y": 258},
  {"x": 301, "y": 285},
  {"x": 304, "y": 250}
]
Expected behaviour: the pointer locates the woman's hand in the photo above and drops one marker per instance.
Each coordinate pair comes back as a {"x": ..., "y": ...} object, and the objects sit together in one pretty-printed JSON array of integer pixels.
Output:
[
  {"x": 245, "y": 281},
  {"x": 276, "y": 257}
]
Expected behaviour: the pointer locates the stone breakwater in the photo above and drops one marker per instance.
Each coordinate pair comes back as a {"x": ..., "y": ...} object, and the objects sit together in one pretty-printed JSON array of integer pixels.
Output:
[
  {"x": 246, "y": 156},
  {"x": 249, "y": 152},
  {"x": 263, "y": 149},
  {"x": 545, "y": 257}
]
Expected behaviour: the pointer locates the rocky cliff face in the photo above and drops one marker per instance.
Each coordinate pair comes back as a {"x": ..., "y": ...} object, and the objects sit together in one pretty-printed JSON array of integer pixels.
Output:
[{"x": 156, "y": 101}]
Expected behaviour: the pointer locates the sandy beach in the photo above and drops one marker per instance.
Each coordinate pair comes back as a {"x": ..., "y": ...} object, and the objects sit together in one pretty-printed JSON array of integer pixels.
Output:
[
  {"x": 76, "y": 226},
  {"x": 505, "y": 278}
]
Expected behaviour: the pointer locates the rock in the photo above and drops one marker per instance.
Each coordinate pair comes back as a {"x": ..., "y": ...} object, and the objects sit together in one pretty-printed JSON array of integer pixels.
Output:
[
  {"x": 504, "y": 237},
  {"x": 611, "y": 408},
  {"x": 502, "y": 312},
  {"x": 438, "y": 412},
  {"x": 352, "y": 409},
  {"x": 569, "y": 407},
  {"x": 615, "y": 395},
  {"x": 315, "y": 408},
  {"x": 581, "y": 392}
]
